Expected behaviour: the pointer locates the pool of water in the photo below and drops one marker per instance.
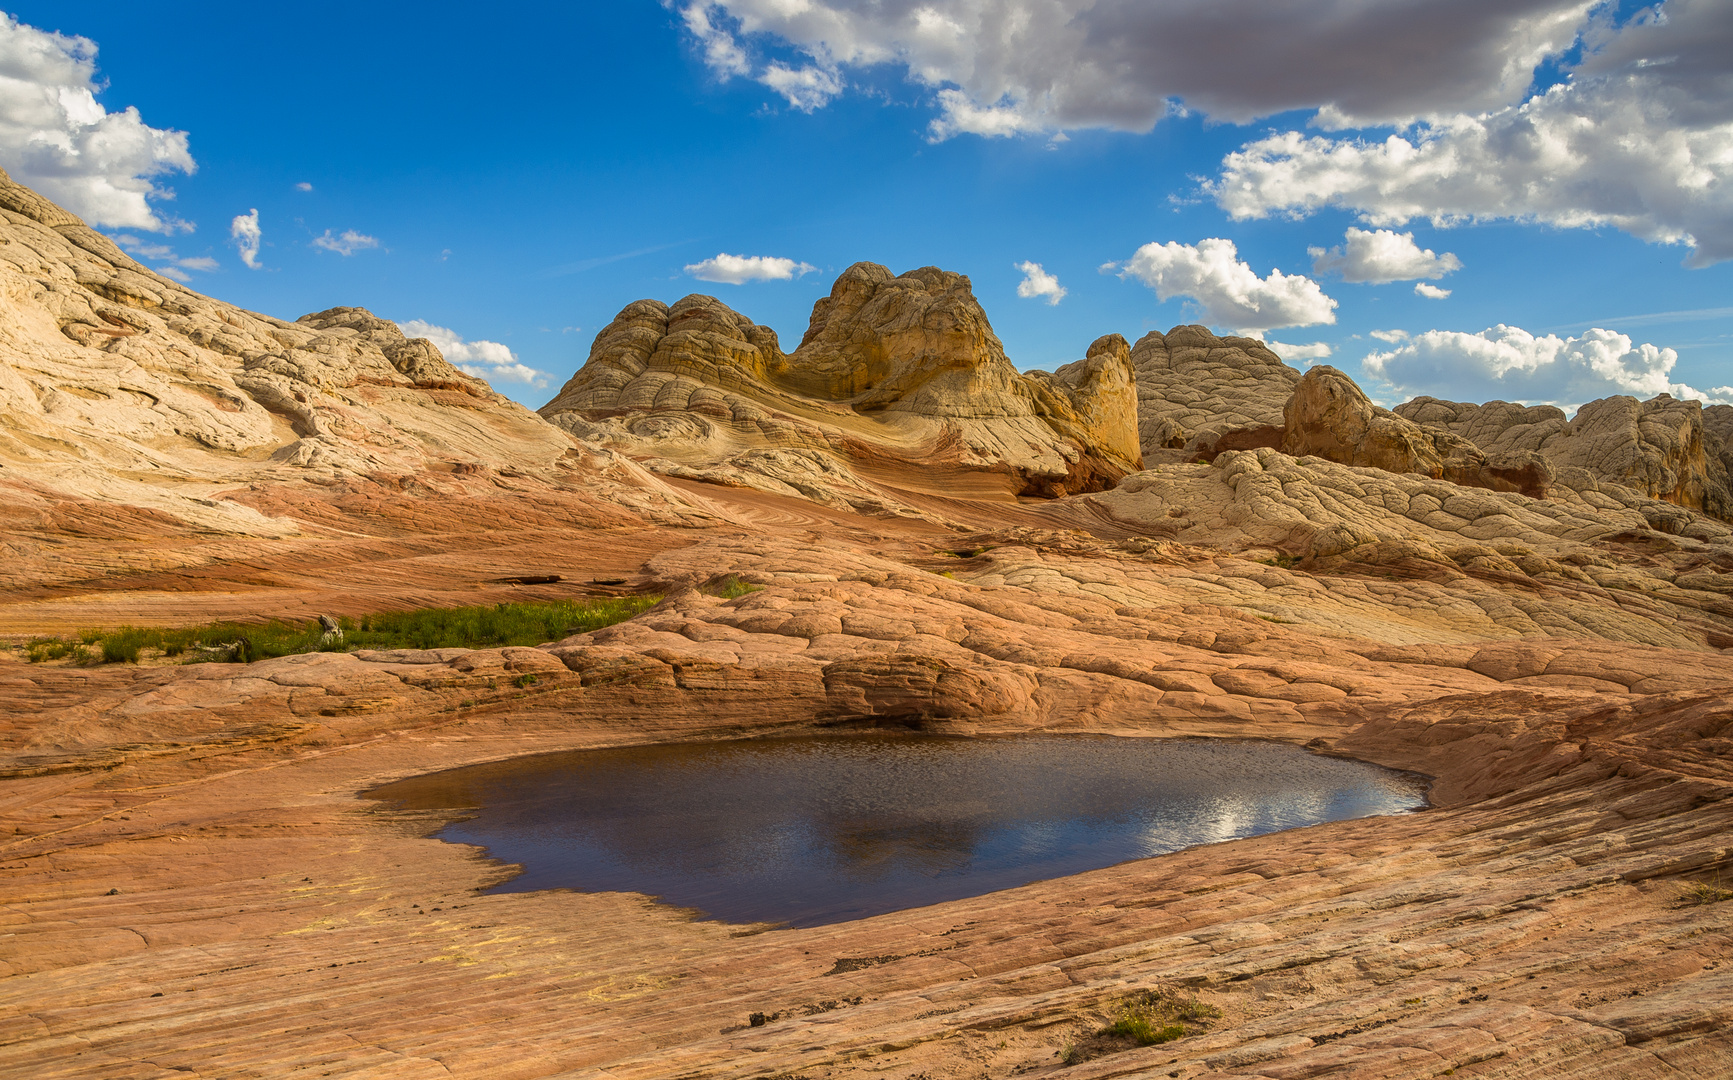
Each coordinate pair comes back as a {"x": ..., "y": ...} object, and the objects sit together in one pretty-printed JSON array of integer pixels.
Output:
[{"x": 809, "y": 831}]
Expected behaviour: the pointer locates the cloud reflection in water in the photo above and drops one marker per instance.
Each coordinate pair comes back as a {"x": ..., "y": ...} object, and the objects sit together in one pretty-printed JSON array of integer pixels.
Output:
[{"x": 818, "y": 830}]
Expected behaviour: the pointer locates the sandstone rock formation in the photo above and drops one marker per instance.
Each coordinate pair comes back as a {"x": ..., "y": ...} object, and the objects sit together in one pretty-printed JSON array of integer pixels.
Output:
[
  {"x": 1661, "y": 447},
  {"x": 219, "y": 900},
  {"x": 892, "y": 370},
  {"x": 1331, "y": 417},
  {"x": 1200, "y": 394},
  {"x": 129, "y": 402},
  {"x": 191, "y": 886},
  {"x": 1718, "y": 435}
]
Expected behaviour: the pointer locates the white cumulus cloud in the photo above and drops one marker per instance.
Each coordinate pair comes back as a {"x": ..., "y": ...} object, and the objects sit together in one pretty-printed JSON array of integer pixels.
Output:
[
  {"x": 1000, "y": 67},
  {"x": 1227, "y": 291},
  {"x": 346, "y": 243},
  {"x": 1038, "y": 284},
  {"x": 1508, "y": 363},
  {"x": 1429, "y": 291},
  {"x": 739, "y": 269},
  {"x": 245, "y": 232},
  {"x": 1380, "y": 256},
  {"x": 488, "y": 360},
  {"x": 58, "y": 139},
  {"x": 1640, "y": 137},
  {"x": 1317, "y": 350}
]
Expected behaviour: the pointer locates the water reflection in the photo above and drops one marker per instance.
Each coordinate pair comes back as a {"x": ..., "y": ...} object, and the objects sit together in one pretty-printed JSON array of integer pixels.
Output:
[{"x": 819, "y": 830}]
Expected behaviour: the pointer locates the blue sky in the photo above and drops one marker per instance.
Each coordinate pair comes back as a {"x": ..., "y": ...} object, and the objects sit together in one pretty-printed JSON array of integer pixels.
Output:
[{"x": 516, "y": 175}]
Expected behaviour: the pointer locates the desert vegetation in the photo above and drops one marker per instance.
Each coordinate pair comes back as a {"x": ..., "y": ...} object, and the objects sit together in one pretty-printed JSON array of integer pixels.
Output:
[
  {"x": 477, "y": 627},
  {"x": 1145, "y": 1018},
  {"x": 1704, "y": 892}
]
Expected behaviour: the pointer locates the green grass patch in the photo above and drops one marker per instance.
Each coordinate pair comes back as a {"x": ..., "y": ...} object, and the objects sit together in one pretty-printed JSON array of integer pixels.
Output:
[
  {"x": 730, "y": 588},
  {"x": 1158, "y": 1016},
  {"x": 1146, "y": 1018},
  {"x": 1146, "y": 1033},
  {"x": 480, "y": 627}
]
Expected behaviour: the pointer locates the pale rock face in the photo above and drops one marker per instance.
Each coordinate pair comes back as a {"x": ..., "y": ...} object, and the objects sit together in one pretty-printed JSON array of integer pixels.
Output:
[
  {"x": 121, "y": 386},
  {"x": 1346, "y": 519},
  {"x": 1199, "y": 394},
  {"x": 1102, "y": 391},
  {"x": 1331, "y": 417},
  {"x": 1670, "y": 450},
  {"x": 898, "y": 370},
  {"x": 1718, "y": 438}
]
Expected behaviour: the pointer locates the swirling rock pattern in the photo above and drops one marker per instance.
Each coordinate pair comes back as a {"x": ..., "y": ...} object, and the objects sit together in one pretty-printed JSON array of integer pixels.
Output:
[
  {"x": 189, "y": 885},
  {"x": 894, "y": 371}
]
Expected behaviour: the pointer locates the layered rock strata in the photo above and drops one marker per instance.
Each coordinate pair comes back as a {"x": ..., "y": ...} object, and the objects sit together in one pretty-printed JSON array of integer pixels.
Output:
[
  {"x": 1332, "y": 418},
  {"x": 218, "y": 900},
  {"x": 190, "y": 885},
  {"x": 1199, "y": 394},
  {"x": 894, "y": 372},
  {"x": 1662, "y": 448},
  {"x": 132, "y": 408}
]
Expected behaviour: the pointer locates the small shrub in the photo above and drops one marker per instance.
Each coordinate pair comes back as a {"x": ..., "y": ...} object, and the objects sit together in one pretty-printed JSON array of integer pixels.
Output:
[
  {"x": 124, "y": 645},
  {"x": 1146, "y": 1033},
  {"x": 1702, "y": 892},
  {"x": 732, "y": 588},
  {"x": 1146, "y": 1018},
  {"x": 526, "y": 681},
  {"x": 47, "y": 648},
  {"x": 1286, "y": 562}
]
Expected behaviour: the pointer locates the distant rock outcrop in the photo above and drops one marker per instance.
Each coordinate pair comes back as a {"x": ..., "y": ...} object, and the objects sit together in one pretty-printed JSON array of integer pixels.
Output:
[
  {"x": 1329, "y": 416},
  {"x": 1202, "y": 394},
  {"x": 1666, "y": 449},
  {"x": 119, "y": 386},
  {"x": 893, "y": 371}
]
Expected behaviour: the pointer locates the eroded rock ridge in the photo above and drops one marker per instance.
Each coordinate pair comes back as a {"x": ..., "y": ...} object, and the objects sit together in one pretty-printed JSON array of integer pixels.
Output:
[
  {"x": 1536, "y": 613},
  {"x": 893, "y": 371}
]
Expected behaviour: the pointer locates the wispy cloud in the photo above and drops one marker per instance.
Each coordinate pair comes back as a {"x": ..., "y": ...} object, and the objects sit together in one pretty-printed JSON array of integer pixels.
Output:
[
  {"x": 590, "y": 264},
  {"x": 346, "y": 243},
  {"x": 1690, "y": 315},
  {"x": 1317, "y": 350},
  {"x": 169, "y": 264}
]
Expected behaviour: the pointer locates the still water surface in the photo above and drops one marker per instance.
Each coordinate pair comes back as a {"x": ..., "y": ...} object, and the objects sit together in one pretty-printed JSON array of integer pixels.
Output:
[{"x": 810, "y": 831}]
